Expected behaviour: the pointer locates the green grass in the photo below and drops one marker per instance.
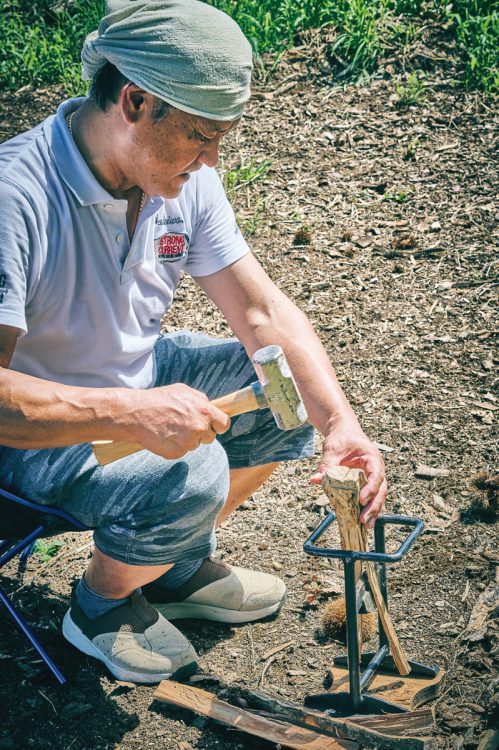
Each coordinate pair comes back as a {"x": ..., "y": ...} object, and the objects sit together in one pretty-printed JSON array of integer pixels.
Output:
[
  {"x": 365, "y": 30},
  {"x": 244, "y": 173},
  {"x": 41, "y": 40},
  {"x": 477, "y": 32},
  {"x": 41, "y": 45}
]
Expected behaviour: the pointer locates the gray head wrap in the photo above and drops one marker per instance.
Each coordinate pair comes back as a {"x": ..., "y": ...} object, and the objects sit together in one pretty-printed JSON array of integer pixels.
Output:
[{"x": 186, "y": 52}]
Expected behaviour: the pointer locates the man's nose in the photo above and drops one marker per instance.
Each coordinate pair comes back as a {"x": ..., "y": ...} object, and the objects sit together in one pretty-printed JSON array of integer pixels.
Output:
[{"x": 209, "y": 154}]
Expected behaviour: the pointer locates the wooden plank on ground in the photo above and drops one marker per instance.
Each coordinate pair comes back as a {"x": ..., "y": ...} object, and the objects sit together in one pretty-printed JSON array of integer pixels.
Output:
[
  {"x": 409, "y": 692},
  {"x": 206, "y": 704},
  {"x": 354, "y": 728}
]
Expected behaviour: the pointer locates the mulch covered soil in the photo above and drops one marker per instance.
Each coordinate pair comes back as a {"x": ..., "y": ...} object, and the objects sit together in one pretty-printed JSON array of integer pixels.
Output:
[{"x": 378, "y": 219}]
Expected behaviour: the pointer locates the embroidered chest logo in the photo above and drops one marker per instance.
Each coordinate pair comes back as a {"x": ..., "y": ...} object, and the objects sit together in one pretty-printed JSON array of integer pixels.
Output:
[
  {"x": 3, "y": 287},
  {"x": 171, "y": 247}
]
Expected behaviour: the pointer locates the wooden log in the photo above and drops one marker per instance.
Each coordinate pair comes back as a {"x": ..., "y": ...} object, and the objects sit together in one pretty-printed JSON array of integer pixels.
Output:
[
  {"x": 397, "y": 725},
  {"x": 343, "y": 485},
  {"x": 388, "y": 734},
  {"x": 341, "y": 492},
  {"x": 282, "y": 733}
]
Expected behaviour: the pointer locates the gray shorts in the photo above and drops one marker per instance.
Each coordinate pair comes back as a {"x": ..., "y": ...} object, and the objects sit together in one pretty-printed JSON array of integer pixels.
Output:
[{"x": 147, "y": 510}]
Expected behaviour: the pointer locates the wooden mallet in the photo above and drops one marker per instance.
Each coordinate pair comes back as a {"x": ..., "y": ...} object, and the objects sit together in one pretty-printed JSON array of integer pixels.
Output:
[{"x": 275, "y": 389}]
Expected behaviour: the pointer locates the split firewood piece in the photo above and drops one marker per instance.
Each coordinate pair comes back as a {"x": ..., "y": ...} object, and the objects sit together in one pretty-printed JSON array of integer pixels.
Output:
[
  {"x": 482, "y": 613},
  {"x": 397, "y": 725},
  {"x": 385, "y": 735},
  {"x": 343, "y": 486},
  {"x": 430, "y": 472},
  {"x": 280, "y": 732}
]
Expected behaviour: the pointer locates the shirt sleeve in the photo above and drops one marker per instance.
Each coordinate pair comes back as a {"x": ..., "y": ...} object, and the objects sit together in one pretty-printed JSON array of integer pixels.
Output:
[
  {"x": 216, "y": 241},
  {"x": 17, "y": 232}
]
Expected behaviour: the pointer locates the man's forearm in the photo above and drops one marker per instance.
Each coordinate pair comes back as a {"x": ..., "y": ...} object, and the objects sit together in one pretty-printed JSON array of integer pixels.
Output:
[
  {"x": 286, "y": 325},
  {"x": 37, "y": 413},
  {"x": 260, "y": 315}
]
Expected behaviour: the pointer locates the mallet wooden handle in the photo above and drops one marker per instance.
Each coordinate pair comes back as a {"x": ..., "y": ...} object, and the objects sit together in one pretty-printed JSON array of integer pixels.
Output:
[
  {"x": 343, "y": 486},
  {"x": 239, "y": 402}
]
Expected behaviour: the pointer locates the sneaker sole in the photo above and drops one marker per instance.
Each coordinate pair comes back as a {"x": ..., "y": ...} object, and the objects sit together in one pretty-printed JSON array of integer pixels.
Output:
[
  {"x": 186, "y": 611},
  {"x": 79, "y": 640}
]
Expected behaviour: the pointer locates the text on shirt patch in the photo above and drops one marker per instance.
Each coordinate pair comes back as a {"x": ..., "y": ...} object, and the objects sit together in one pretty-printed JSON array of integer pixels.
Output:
[
  {"x": 171, "y": 247},
  {"x": 169, "y": 220},
  {"x": 3, "y": 287}
]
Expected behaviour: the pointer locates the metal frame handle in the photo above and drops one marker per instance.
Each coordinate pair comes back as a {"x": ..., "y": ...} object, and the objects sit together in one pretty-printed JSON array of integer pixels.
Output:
[{"x": 379, "y": 557}]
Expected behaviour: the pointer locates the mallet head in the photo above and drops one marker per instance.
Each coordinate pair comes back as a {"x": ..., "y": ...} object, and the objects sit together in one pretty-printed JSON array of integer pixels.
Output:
[{"x": 277, "y": 389}]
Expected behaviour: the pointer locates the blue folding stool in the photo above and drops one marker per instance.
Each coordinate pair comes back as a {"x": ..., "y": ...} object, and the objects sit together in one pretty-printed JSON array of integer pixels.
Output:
[{"x": 22, "y": 522}]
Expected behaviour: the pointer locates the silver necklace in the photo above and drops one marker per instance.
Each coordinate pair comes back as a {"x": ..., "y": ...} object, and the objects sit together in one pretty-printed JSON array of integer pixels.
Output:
[{"x": 142, "y": 194}]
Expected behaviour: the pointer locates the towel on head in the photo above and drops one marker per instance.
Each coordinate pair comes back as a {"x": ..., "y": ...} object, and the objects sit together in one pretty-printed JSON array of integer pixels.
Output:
[{"x": 186, "y": 52}]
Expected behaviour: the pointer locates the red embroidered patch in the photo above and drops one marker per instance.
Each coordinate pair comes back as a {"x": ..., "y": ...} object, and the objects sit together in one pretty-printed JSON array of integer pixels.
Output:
[{"x": 171, "y": 247}]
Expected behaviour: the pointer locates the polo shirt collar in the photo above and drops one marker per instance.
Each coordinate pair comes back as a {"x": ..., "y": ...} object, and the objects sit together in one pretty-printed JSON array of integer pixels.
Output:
[{"x": 70, "y": 163}]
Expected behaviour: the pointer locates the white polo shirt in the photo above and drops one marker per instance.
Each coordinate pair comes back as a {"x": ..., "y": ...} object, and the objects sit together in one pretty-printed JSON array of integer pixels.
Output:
[{"x": 89, "y": 303}]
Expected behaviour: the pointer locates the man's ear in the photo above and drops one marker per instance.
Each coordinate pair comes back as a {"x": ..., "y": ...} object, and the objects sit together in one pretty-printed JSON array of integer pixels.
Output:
[{"x": 133, "y": 102}]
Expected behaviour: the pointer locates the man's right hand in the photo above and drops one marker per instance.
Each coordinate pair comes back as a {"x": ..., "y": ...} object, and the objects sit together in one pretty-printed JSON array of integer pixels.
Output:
[
  {"x": 171, "y": 420},
  {"x": 36, "y": 413}
]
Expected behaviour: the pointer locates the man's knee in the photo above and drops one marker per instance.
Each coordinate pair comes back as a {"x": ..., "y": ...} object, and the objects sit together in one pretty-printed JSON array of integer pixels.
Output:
[
  {"x": 174, "y": 514},
  {"x": 209, "y": 480}
]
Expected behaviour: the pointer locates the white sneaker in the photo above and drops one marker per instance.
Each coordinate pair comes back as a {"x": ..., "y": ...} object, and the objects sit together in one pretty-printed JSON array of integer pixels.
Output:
[
  {"x": 220, "y": 592},
  {"x": 134, "y": 641}
]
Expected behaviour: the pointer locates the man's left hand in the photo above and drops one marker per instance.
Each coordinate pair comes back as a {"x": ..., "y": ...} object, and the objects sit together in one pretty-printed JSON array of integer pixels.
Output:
[{"x": 347, "y": 445}]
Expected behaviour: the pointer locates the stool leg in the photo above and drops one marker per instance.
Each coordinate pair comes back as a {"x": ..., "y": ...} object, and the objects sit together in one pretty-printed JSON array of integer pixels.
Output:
[
  {"x": 32, "y": 638},
  {"x": 14, "y": 550}
]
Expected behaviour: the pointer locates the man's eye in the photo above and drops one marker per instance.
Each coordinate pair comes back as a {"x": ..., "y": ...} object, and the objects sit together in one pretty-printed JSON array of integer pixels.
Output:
[{"x": 203, "y": 138}]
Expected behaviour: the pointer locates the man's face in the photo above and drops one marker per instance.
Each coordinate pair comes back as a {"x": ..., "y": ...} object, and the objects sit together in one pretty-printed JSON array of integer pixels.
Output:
[{"x": 165, "y": 153}]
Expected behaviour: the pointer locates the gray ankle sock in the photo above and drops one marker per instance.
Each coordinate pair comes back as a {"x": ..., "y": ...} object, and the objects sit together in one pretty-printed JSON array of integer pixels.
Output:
[
  {"x": 179, "y": 574},
  {"x": 94, "y": 605}
]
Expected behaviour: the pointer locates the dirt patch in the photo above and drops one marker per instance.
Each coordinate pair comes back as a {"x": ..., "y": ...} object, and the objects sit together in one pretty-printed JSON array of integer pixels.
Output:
[{"x": 379, "y": 220}]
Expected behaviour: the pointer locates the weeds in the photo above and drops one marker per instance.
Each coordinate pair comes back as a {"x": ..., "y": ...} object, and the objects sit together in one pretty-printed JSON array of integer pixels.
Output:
[
  {"x": 244, "y": 173},
  {"x": 413, "y": 93},
  {"x": 272, "y": 25},
  {"x": 251, "y": 225},
  {"x": 41, "y": 40},
  {"x": 362, "y": 38},
  {"x": 400, "y": 197},
  {"x": 47, "y": 548},
  {"x": 364, "y": 30},
  {"x": 411, "y": 153}
]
